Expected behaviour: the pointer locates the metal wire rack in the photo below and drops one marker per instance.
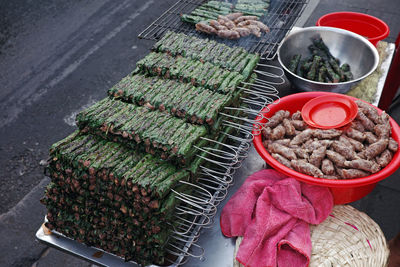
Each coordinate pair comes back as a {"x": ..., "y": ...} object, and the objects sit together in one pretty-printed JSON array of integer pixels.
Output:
[
  {"x": 197, "y": 209},
  {"x": 280, "y": 18},
  {"x": 216, "y": 174}
]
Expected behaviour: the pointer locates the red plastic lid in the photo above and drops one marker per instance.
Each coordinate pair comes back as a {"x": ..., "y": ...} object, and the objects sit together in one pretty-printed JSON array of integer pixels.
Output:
[{"x": 329, "y": 111}]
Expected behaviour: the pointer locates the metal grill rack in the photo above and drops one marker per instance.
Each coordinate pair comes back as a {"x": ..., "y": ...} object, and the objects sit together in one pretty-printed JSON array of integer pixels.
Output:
[
  {"x": 281, "y": 17},
  {"x": 197, "y": 210}
]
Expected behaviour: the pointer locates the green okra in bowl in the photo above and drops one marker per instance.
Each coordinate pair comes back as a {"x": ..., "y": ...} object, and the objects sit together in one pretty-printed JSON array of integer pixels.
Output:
[{"x": 326, "y": 59}]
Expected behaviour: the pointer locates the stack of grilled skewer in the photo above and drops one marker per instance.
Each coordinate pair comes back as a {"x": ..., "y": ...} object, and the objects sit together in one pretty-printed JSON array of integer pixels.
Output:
[{"x": 112, "y": 180}]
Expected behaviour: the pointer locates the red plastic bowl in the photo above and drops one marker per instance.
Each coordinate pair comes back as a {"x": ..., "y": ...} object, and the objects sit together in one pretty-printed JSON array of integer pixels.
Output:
[
  {"x": 368, "y": 26},
  {"x": 344, "y": 191}
]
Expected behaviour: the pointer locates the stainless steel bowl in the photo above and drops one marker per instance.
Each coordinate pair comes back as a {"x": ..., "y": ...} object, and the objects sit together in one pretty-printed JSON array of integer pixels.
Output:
[{"x": 347, "y": 46}]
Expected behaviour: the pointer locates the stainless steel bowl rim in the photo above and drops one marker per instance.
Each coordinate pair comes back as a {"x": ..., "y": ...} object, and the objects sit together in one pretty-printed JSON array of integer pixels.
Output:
[{"x": 355, "y": 35}]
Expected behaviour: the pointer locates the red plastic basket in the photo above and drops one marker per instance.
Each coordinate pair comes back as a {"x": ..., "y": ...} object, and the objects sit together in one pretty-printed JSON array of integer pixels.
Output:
[
  {"x": 344, "y": 191},
  {"x": 368, "y": 26}
]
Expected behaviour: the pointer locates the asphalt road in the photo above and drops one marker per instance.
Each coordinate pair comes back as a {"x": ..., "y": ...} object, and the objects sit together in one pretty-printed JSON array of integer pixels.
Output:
[{"x": 56, "y": 58}]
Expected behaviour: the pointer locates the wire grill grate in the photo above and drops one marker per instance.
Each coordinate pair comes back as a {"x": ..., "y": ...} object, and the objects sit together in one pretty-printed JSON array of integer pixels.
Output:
[{"x": 281, "y": 17}]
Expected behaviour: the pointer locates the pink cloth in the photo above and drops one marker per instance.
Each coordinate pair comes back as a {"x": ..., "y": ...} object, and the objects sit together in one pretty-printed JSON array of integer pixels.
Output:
[{"x": 272, "y": 212}]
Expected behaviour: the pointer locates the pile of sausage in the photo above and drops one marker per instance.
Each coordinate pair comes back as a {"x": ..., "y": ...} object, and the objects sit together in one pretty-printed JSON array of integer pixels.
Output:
[
  {"x": 233, "y": 26},
  {"x": 362, "y": 148}
]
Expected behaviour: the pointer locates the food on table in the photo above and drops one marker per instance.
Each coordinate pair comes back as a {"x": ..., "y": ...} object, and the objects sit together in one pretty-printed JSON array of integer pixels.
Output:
[
  {"x": 234, "y": 16},
  {"x": 375, "y": 149},
  {"x": 343, "y": 153},
  {"x": 281, "y": 159},
  {"x": 226, "y": 21},
  {"x": 317, "y": 156},
  {"x": 139, "y": 127},
  {"x": 255, "y": 8},
  {"x": 285, "y": 151},
  {"x": 203, "y": 27},
  {"x": 112, "y": 181},
  {"x": 351, "y": 173},
  {"x": 305, "y": 167},
  {"x": 327, "y": 167},
  {"x": 302, "y": 137},
  {"x": 336, "y": 158},
  {"x": 289, "y": 128},
  {"x": 365, "y": 121},
  {"x": 208, "y": 11},
  {"x": 233, "y": 29},
  {"x": 357, "y": 135},
  {"x": 195, "y": 104},
  {"x": 277, "y": 118},
  {"x": 393, "y": 145},
  {"x": 362, "y": 164},
  {"x": 108, "y": 196},
  {"x": 384, "y": 159},
  {"x": 187, "y": 70},
  {"x": 347, "y": 151},
  {"x": 232, "y": 58},
  {"x": 320, "y": 66}
]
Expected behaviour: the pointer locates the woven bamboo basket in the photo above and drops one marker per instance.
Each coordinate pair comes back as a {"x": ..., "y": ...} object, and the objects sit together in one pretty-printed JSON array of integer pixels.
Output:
[{"x": 347, "y": 238}]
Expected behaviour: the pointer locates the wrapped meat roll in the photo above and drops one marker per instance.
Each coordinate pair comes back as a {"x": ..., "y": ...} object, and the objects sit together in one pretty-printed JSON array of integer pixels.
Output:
[
  {"x": 299, "y": 125},
  {"x": 297, "y": 115},
  {"x": 306, "y": 168},
  {"x": 242, "y": 31},
  {"x": 260, "y": 25},
  {"x": 281, "y": 159},
  {"x": 205, "y": 28},
  {"x": 371, "y": 112},
  {"x": 243, "y": 23},
  {"x": 357, "y": 125},
  {"x": 229, "y": 34},
  {"x": 254, "y": 30},
  {"x": 326, "y": 134},
  {"x": 284, "y": 142},
  {"x": 345, "y": 151},
  {"x": 301, "y": 153},
  {"x": 336, "y": 158},
  {"x": 358, "y": 146},
  {"x": 302, "y": 137},
  {"x": 233, "y": 16},
  {"x": 277, "y": 118},
  {"x": 242, "y": 18},
  {"x": 375, "y": 149},
  {"x": 282, "y": 150},
  {"x": 393, "y": 145},
  {"x": 226, "y": 22},
  {"x": 327, "y": 167},
  {"x": 351, "y": 173},
  {"x": 355, "y": 134},
  {"x": 370, "y": 137},
  {"x": 289, "y": 128},
  {"x": 385, "y": 158},
  {"x": 317, "y": 156},
  {"x": 384, "y": 118},
  {"x": 365, "y": 121},
  {"x": 266, "y": 132},
  {"x": 362, "y": 164},
  {"x": 383, "y": 131},
  {"x": 278, "y": 132},
  {"x": 217, "y": 25}
]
